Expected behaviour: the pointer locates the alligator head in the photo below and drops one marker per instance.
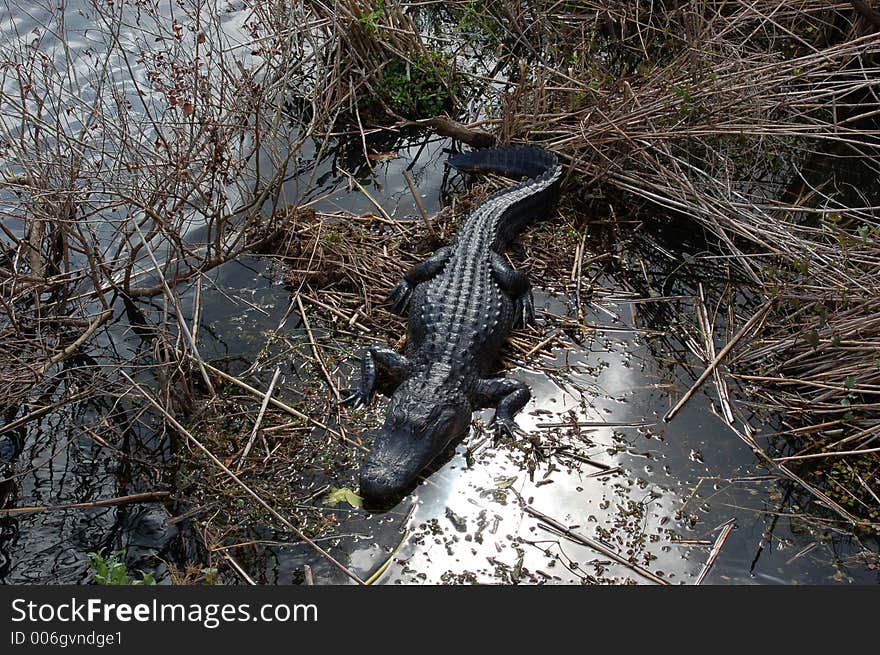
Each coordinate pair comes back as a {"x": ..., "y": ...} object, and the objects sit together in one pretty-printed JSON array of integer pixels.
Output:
[{"x": 422, "y": 421}]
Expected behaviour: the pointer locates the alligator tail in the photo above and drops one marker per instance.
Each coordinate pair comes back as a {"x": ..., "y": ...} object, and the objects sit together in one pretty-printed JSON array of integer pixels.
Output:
[
  {"x": 530, "y": 200},
  {"x": 510, "y": 161}
]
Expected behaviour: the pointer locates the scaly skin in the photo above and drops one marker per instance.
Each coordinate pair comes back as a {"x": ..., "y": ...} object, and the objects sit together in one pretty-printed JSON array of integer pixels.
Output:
[{"x": 462, "y": 303}]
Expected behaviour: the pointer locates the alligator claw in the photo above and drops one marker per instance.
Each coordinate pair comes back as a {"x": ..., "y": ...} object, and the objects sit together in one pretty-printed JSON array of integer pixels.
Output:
[
  {"x": 357, "y": 399},
  {"x": 507, "y": 427},
  {"x": 399, "y": 297},
  {"x": 525, "y": 310}
]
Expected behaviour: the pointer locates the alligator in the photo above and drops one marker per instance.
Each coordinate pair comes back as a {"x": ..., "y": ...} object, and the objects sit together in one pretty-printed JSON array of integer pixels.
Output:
[{"x": 462, "y": 303}]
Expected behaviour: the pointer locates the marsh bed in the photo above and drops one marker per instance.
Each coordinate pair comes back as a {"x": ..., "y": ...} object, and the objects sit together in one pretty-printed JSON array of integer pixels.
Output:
[{"x": 622, "y": 310}]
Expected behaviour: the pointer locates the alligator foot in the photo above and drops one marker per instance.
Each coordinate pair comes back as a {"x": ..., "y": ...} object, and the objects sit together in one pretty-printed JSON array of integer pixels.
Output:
[
  {"x": 509, "y": 396},
  {"x": 525, "y": 310},
  {"x": 392, "y": 364},
  {"x": 400, "y": 295},
  {"x": 515, "y": 284},
  {"x": 506, "y": 427}
]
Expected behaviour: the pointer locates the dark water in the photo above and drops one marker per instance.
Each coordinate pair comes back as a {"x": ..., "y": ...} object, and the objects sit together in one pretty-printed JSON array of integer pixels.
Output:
[{"x": 658, "y": 494}]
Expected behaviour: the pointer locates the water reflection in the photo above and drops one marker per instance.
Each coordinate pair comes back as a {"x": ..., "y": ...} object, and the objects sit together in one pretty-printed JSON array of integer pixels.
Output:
[{"x": 610, "y": 469}]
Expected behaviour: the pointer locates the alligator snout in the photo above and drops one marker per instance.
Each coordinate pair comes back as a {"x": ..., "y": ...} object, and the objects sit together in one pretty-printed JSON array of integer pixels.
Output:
[
  {"x": 416, "y": 432},
  {"x": 377, "y": 485},
  {"x": 390, "y": 470}
]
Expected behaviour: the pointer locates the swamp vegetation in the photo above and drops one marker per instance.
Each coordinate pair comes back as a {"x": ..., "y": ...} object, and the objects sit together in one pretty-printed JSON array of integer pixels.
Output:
[{"x": 158, "y": 159}]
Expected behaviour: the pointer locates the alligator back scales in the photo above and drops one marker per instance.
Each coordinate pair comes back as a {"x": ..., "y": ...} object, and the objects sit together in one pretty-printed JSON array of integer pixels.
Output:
[{"x": 462, "y": 303}]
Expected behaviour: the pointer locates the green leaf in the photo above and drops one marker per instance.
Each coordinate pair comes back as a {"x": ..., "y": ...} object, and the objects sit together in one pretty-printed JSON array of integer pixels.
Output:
[
  {"x": 343, "y": 495},
  {"x": 146, "y": 580},
  {"x": 850, "y": 381}
]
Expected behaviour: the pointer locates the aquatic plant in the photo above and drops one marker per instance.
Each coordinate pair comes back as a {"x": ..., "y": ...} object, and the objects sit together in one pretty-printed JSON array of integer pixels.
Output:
[
  {"x": 421, "y": 87},
  {"x": 111, "y": 570},
  {"x": 386, "y": 69}
]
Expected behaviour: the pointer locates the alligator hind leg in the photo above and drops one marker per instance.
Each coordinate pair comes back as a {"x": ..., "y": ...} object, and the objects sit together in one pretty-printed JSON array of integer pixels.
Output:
[
  {"x": 509, "y": 396},
  {"x": 400, "y": 295},
  {"x": 515, "y": 284},
  {"x": 394, "y": 365}
]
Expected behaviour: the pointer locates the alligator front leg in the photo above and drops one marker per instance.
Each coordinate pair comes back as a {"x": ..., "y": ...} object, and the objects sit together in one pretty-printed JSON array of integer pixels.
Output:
[
  {"x": 400, "y": 295},
  {"x": 508, "y": 396},
  {"x": 391, "y": 363},
  {"x": 516, "y": 285}
]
